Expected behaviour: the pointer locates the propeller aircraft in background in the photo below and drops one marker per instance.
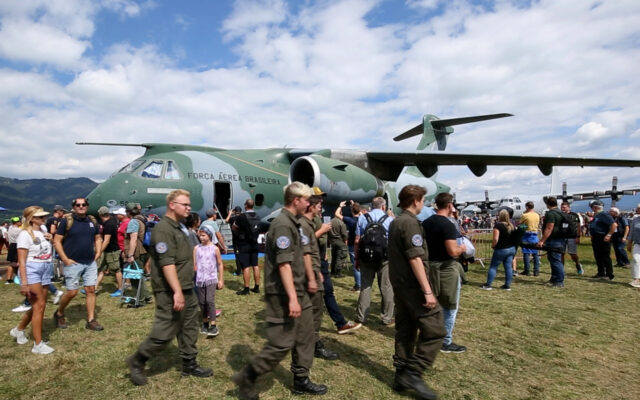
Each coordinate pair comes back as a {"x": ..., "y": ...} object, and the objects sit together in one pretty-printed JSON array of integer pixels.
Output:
[{"x": 227, "y": 178}]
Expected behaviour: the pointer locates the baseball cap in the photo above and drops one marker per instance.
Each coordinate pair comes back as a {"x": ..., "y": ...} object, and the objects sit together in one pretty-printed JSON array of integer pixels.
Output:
[
  {"x": 104, "y": 210},
  {"x": 317, "y": 191},
  {"x": 237, "y": 209},
  {"x": 595, "y": 203},
  {"x": 211, "y": 212},
  {"x": 120, "y": 211},
  {"x": 132, "y": 206},
  {"x": 58, "y": 207},
  {"x": 15, "y": 219}
]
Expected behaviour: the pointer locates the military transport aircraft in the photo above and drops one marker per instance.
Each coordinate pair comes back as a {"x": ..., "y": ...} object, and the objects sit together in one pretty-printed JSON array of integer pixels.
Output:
[{"x": 226, "y": 178}]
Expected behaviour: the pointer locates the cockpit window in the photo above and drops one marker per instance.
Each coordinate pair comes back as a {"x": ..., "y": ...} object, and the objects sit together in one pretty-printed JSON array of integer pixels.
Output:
[
  {"x": 130, "y": 167},
  {"x": 172, "y": 171},
  {"x": 153, "y": 170}
]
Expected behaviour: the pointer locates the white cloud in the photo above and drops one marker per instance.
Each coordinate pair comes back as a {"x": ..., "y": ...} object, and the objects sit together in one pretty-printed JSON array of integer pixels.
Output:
[{"x": 319, "y": 75}]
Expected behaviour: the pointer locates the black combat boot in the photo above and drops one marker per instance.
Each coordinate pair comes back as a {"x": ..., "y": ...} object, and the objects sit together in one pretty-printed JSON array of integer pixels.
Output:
[
  {"x": 303, "y": 385},
  {"x": 407, "y": 379},
  {"x": 135, "y": 363},
  {"x": 245, "y": 379},
  {"x": 191, "y": 367},
  {"x": 324, "y": 353}
]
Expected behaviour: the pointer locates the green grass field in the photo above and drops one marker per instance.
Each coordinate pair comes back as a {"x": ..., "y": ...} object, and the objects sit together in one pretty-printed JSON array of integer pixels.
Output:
[{"x": 534, "y": 342}]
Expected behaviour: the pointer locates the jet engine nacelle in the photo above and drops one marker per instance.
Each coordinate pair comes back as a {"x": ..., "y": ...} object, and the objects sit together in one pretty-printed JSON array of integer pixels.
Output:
[{"x": 338, "y": 179}]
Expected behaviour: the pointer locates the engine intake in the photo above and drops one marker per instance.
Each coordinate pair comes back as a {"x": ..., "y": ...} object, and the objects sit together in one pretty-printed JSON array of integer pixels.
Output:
[{"x": 338, "y": 179}]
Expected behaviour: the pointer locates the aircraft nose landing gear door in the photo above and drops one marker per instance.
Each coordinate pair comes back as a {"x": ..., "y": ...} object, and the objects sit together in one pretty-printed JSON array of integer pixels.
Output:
[{"x": 222, "y": 197}]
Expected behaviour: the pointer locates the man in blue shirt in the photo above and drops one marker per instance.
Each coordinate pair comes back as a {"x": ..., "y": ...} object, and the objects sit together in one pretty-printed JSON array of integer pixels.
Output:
[
  {"x": 79, "y": 244},
  {"x": 369, "y": 270},
  {"x": 601, "y": 229}
]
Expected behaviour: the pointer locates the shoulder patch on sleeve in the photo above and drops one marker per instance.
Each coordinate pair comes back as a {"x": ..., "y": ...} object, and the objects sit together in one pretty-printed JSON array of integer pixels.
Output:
[
  {"x": 283, "y": 242},
  {"x": 161, "y": 247},
  {"x": 416, "y": 240}
]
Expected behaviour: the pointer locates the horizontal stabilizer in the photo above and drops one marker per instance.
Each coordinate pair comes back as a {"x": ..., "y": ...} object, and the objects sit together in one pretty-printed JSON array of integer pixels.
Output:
[
  {"x": 113, "y": 144},
  {"x": 443, "y": 123}
]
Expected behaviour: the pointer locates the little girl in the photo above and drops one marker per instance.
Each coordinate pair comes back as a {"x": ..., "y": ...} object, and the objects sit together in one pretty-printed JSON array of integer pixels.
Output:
[{"x": 207, "y": 263}]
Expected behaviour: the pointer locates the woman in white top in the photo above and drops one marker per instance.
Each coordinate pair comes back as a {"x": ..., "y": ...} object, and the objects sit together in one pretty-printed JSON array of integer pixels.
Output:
[{"x": 34, "y": 267}]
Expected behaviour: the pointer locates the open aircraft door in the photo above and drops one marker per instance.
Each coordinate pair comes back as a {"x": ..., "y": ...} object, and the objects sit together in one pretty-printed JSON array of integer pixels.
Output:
[{"x": 222, "y": 193}]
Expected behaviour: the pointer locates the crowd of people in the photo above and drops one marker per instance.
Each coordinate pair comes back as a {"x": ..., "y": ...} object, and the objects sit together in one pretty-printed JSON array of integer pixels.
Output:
[{"x": 417, "y": 258}]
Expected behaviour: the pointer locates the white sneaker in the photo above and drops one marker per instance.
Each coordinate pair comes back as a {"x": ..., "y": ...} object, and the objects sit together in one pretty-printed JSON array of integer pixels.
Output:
[
  {"x": 21, "y": 338},
  {"x": 57, "y": 296},
  {"x": 21, "y": 308},
  {"x": 42, "y": 348}
]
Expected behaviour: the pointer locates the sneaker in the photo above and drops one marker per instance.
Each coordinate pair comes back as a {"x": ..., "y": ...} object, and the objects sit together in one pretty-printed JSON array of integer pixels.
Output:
[
  {"x": 579, "y": 269},
  {"x": 218, "y": 312},
  {"x": 83, "y": 291},
  {"x": 355, "y": 289},
  {"x": 505, "y": 288},
  {"x": 117, "y": 293},
  {"x": 635, "y": 284},
  {"x": 213, "y": 331},
  {"x": 598, "y": 276},
  {"x": 94, "y": 325},
  {"x": 59, "y": 321},
  {"x": 350, "y": 326},
  {"x": 20, "y": 336},
  {"x": 243, "y": 292},
  {"x": 486, "y": 287},
  {"x": 204, "y": 329},
  {"x": 536, "y": 273},
  {"x": 21, "y": 308},
  {"x": 525, "y": 273},
  {"x": 515, "y": 273},
  {"x": 452, "y": 348},
  {"x": 558, "y": 285},
  {"x": 7, "y": 282},
  {"x": 57, "y": 296},
  {"x": 256, "y": 289},
  {"x": 42, "y": 348}
]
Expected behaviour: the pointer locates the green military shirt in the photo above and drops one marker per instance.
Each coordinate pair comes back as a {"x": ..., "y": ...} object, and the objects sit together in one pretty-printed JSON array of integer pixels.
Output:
[
  {"x": 317, "y": 224},
  {"x": 553, "y": 216},
  {"x": 170, "y": 246},
  {"x": 311, "y": 246},
  {"x": 406, "y": 241},
  {"x": 338, "y": 233}
]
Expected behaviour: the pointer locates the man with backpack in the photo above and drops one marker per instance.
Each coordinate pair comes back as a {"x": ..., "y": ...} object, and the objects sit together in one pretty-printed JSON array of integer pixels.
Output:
[
  {"x": 247, "y": 228},
  {"x": 619, "y": 237},
  {"x": 573, "y": 241},
  {"x": 371, "y": 260},
  {"x": 78, "y": 244},
  {"x": 552, "y": 239}
]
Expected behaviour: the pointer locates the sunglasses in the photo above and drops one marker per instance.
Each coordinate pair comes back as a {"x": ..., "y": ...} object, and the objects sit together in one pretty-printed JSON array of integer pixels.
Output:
[
  {"x": 81, "y": 205},
  {"x": 39, "y": 216}
]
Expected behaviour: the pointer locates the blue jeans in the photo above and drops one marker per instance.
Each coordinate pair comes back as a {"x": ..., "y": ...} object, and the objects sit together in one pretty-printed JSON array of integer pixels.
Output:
[
  {"x": 449, "y": 316},
  {"x": 329, "y": 299},
  {"x": 619, "y": 248},
  {"x": 356, "y": 273},
  {"x": 555, "y": 260},
  {"x": 504, "y": 256}
]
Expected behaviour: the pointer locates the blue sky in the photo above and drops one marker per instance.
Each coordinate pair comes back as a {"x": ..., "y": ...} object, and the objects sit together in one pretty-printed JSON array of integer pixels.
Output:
[{"x": 345, "y": 74}]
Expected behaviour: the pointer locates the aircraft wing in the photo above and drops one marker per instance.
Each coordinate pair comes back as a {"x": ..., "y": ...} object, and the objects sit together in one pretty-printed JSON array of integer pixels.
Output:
[{"x": 388, "y": 165}]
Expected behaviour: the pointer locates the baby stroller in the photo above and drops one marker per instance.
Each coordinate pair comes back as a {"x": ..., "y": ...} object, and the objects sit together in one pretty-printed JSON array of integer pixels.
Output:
[{"x": 132, "y": 271}]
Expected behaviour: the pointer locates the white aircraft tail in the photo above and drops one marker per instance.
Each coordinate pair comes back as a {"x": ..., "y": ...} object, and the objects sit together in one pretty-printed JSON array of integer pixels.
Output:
[{"x": 556, "y": 184}]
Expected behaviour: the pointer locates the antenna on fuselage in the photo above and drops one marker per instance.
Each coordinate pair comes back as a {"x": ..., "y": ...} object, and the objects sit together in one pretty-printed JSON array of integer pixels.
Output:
[{"x": 434, "y": 129}]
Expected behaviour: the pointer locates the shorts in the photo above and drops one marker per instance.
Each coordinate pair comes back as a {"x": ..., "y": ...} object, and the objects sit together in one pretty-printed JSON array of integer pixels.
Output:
[
  {"x": 110, "y": 261},
  {"x": 247, "y": 259},
  {"x": 12, "y": 255},
  {"x": 73, "y": 273},
  {"x": 39, "y": 272},
  {"x": 570, "y": 246}
]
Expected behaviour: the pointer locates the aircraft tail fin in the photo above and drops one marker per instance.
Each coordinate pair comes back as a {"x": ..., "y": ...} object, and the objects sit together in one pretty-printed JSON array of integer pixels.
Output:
[
  {"x": 435, "y": 130},
  {"x": 556, "y": 184}
]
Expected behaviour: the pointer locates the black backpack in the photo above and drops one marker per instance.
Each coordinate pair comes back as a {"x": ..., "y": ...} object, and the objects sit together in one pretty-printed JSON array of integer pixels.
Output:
[
  {"x": 373, "y": 243},
  {"x": 254, "y": 227},
  {"x": 568, "y": 228}
]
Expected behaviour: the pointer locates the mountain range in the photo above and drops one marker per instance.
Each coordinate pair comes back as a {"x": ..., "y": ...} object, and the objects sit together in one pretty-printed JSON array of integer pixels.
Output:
[{"x": 16, "y": 194}]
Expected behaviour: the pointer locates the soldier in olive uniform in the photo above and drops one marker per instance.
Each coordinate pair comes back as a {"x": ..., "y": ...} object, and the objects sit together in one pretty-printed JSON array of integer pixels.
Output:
[
  {"x": 177, "y": 310},
  {"x": 312, "y": 261},
  {"x": 418, "y": 315},
  {"x": 289, "y": 312}
]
